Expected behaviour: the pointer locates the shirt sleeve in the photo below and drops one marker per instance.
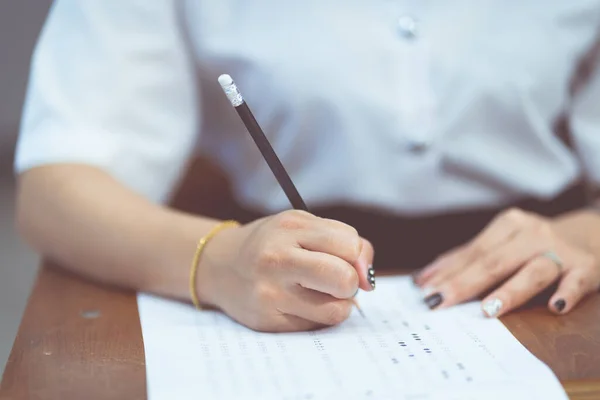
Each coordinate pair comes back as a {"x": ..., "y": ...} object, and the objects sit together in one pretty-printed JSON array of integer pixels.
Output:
[
  {"x": 584, "y": 121},
  {"x": 112, "y": 85}
]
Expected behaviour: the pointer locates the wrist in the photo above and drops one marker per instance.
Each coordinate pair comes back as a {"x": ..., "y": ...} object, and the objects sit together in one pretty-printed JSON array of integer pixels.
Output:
[
  {"x": 177, "y": 242},
  {"x": 216, "y": 258}
]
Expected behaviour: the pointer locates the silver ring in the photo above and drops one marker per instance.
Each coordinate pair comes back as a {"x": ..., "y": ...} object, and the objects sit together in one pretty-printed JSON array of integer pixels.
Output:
[{"x": 555, "y": 259}]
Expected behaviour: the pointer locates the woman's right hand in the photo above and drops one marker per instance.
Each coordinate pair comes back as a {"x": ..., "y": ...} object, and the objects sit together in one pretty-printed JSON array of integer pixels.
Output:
[{"x": 289, "y": 272}]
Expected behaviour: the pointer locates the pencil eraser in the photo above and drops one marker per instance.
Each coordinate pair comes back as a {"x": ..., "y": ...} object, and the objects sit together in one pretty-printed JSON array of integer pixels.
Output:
[
  {"x": 231, "y": 90},
  {"x": 225, "y": 80}
]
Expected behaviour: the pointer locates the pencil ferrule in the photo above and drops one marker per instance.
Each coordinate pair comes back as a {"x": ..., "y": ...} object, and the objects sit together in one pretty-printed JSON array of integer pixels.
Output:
[{"x": 234, "y": 95}]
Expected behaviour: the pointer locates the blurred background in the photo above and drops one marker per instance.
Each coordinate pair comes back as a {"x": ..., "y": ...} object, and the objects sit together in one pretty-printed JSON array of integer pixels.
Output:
[{"x": 20, "y": 23}]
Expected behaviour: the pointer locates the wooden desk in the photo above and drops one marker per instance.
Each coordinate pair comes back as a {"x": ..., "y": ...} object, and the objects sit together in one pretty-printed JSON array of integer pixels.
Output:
[{"x": 65, "y": 351}]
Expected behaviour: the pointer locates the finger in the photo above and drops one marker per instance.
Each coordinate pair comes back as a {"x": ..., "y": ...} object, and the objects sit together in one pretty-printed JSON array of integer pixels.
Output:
[
  {"x": 490, "y": 270},
  {"x": 576, "y": 283},
  {"x": 442, "y": 261},
  {"x": 364, "y": 267},
  {"x": 322, "y": 272},
  {"x": 533, "y": 278},
  {"x": 502, "y": 227},
  {"x": 331, "y": 237},
  {"x": 317, "y": 307},
  {"x": 500, "y": 230}
]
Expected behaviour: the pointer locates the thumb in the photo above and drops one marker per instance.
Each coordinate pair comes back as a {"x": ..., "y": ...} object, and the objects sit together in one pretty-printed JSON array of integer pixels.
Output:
[{"x": 364, "y": 266}]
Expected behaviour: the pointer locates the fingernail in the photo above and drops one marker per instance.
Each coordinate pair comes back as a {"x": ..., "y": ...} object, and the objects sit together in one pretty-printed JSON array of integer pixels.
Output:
[
  {"x": 355, "y": 293},
  {"x": 371, "y": 276},
  {"x": 492, "y": 307},
  {"x": 434, "y": 300},
  {"x": 560, "y": 305}
]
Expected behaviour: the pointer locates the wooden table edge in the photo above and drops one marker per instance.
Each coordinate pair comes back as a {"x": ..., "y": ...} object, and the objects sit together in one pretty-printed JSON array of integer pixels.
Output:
[{"x": 17, "y": 366}]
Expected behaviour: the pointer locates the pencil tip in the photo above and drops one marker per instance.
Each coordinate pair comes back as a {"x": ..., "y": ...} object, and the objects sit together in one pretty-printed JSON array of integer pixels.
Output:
[{"x": 360, "y": 311}]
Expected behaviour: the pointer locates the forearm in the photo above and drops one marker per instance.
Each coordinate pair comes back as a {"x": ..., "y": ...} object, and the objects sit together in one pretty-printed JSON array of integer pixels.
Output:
[{"x": 89, "y": 223}]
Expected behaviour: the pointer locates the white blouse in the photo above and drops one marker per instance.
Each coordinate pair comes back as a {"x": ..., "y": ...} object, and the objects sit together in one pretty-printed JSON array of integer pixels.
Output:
[{"x": 411, "y": 106}]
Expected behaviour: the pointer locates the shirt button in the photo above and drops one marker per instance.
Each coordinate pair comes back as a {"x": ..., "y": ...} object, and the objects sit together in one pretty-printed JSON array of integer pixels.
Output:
[
  {"x": 407, "y": 27},
  {"x": 418, "y": 146}
]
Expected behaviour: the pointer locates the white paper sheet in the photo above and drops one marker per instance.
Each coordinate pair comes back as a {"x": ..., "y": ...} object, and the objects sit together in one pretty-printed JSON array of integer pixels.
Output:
[{"x": 401, "y": 350}]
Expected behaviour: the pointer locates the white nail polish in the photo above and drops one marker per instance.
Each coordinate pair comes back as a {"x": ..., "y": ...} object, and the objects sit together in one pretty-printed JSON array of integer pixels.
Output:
[
  {"x": 492, "y": 307},
  {"x": 370, "y": 270}
]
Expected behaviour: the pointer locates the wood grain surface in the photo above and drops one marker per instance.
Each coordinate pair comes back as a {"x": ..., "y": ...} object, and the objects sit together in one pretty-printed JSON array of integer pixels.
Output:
[
  {"x": 78, "y": 340},
  {"x": 569, "y": 344}
]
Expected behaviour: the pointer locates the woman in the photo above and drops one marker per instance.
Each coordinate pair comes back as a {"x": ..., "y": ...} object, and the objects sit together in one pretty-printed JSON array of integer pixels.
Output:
[{"x": 423, "y": 128}]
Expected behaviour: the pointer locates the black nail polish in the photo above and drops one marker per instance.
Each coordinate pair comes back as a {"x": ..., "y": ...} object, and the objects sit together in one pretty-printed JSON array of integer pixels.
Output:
[
  {"x": 434, "y": 300},
  {"x": 371, "y": 277},
  {"x": 560, "y": 305}
]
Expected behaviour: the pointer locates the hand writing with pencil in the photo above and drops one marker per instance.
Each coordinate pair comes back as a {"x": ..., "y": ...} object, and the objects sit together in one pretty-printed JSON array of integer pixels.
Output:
[
  {"x": 293, "y": 271},
  {"x": 289, "y": 272},
  {"x": 522, "y": 253}
]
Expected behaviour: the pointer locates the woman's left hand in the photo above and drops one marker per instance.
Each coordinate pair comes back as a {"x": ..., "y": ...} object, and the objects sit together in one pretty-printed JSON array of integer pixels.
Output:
[{"x": 524, "y": 253}]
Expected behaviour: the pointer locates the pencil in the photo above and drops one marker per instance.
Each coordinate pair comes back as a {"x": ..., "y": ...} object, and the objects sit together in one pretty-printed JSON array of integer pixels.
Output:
[{"x": 237, "y": 101}]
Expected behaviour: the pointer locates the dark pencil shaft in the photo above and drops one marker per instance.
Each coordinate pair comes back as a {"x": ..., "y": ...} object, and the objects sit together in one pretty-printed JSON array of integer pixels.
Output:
[{"x": 270, "y": 157}]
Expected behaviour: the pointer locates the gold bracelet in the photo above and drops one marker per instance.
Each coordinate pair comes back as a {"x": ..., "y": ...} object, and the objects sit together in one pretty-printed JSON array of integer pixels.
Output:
[{"x": 201, "y": 244}]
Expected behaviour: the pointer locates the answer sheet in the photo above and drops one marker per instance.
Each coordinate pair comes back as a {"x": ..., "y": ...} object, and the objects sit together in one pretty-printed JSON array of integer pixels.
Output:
[{"x": 400, "y": 350}]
